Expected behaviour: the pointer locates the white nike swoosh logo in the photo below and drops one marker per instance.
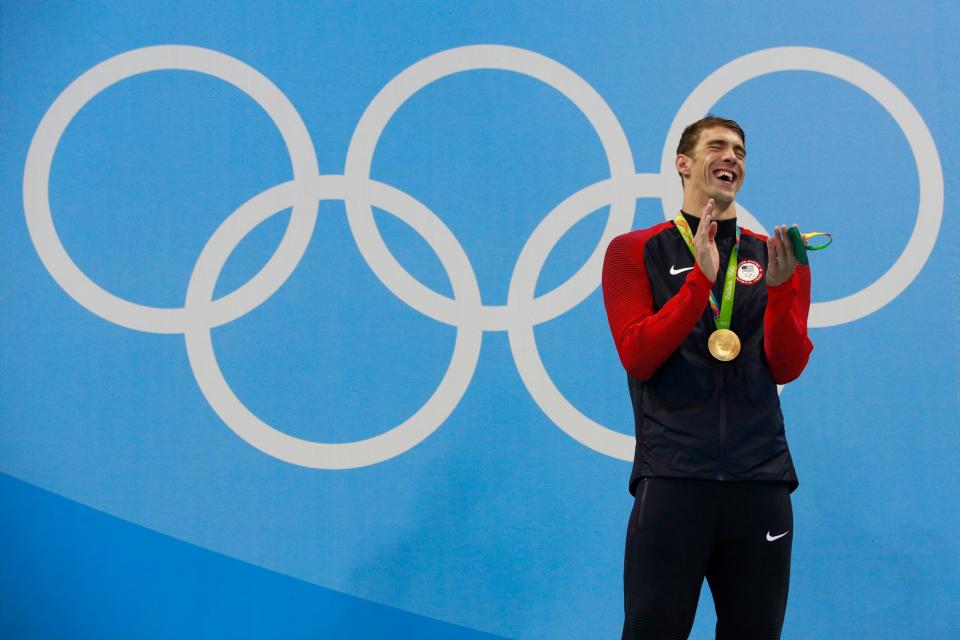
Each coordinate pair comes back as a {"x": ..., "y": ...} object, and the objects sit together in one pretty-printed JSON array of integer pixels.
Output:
[
  {"x": 674, "y": 271},
  {"x": 771, "y": 538}
]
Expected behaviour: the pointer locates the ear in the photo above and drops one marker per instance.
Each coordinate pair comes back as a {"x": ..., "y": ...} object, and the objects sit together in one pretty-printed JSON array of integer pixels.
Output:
[{"x": 682, "y": 164}]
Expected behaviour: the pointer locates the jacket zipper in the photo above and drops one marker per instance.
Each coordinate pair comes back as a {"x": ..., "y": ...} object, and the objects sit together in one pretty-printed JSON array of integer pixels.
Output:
[{"x": 721, "y": 458}]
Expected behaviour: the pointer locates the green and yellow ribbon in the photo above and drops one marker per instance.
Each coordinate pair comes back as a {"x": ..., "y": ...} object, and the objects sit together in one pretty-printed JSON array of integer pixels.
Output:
[{"x": 801, "y": 245}]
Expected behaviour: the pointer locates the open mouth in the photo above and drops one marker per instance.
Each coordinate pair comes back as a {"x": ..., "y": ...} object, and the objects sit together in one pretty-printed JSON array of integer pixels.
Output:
[{"x": 725, "y": 175}]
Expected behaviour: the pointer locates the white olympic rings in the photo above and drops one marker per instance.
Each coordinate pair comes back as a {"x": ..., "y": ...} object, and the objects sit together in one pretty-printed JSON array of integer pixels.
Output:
[{"x": 523, "y": 311}]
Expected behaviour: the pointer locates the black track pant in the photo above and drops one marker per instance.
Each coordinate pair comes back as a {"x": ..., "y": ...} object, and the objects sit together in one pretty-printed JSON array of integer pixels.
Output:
[{"x": 736, "y": 534}]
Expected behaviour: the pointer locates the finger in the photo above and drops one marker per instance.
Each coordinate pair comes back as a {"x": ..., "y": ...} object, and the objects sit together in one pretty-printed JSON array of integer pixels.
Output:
[
  {"x": 787, "y": 244},
  {"x": 705, "y": 222},
  {"x": 713, "y": 232}
]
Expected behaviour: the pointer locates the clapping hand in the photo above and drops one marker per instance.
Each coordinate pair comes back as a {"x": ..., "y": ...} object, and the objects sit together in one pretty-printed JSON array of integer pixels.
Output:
[
  {"x": 705, "y": 245},
  {"x": 780, "y": 258}
]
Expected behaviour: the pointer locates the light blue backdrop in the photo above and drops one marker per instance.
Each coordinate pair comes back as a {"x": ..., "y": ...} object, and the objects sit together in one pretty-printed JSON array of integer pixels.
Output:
[{"x": 500, "y": 503}]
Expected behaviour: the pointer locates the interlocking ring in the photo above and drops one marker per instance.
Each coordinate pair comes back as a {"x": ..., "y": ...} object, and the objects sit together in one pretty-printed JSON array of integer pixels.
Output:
[{"x": 465, "y": 310}]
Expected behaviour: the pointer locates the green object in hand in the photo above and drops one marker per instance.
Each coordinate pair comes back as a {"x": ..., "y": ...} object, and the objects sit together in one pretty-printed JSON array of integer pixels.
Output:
[{"x": 799, "y": 248}]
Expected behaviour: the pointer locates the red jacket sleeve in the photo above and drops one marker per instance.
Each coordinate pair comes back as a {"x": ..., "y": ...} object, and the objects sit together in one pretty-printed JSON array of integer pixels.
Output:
[
  {"x": 785, "y": 340},
  {"x": 645, "y": 338}
]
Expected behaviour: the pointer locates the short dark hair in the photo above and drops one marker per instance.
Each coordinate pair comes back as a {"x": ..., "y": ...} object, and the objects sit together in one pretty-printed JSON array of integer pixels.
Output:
[{"x": 690, "y": 135}]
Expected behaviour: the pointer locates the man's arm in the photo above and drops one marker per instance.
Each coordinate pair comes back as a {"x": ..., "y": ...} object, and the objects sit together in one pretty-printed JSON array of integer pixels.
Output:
[
  {"x": 785, "y": 341},
  {"x": 644, "y": 338}
]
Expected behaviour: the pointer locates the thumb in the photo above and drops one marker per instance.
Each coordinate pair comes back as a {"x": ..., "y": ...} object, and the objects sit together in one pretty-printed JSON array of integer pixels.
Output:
[{"x": 713, "y": 231}]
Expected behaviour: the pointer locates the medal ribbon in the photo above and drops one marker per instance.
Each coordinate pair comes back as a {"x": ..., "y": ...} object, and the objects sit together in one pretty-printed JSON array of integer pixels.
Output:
[
  {"x": 819, "y": 245},
  {"x": 723, "y": 311},
  {"x": 801, "y": 246}
]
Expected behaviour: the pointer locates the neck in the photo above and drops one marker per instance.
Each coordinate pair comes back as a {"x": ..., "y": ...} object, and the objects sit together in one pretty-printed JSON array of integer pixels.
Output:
[{"x": 694, "y": 204}]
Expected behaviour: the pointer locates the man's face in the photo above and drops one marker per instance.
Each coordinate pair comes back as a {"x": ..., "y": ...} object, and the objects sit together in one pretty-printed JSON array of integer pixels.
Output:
[{"x": 716, "y": 167}]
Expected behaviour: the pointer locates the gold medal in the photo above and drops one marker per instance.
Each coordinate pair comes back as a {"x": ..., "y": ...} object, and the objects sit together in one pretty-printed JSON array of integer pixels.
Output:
[{"x": 724, "y": 345}]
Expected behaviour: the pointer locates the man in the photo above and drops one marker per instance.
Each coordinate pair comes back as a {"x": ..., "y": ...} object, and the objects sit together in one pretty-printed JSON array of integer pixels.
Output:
[{"x": 712, "y": 474}]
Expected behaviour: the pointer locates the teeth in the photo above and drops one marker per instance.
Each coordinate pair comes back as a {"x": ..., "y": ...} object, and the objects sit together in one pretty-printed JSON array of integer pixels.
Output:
[{"x": 724, "y": 175}]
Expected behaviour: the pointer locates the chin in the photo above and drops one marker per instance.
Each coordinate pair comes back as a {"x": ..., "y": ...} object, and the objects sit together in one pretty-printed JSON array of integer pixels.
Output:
[{"x": 723, "y": 200}]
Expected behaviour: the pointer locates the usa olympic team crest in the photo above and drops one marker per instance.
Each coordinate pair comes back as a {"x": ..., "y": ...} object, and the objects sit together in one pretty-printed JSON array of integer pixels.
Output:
[{"x": 749, "y": 272}]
